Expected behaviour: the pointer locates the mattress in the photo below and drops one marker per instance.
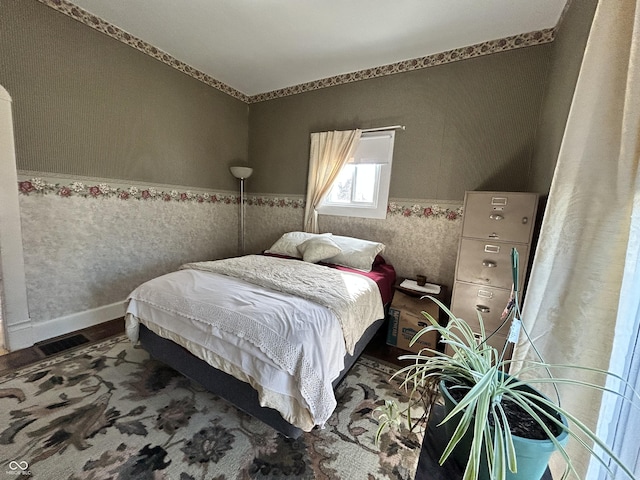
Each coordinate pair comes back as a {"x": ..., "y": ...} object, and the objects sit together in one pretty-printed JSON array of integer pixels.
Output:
[{"x": 289, "y": 347}]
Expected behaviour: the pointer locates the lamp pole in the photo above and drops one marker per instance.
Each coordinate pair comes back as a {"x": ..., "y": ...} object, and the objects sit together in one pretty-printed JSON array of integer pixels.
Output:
[{"x": 241, "y": 173}]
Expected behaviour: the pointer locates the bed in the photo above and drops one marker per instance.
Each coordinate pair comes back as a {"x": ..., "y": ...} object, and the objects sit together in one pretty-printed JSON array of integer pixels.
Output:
[{"x": 273, "y": 333}]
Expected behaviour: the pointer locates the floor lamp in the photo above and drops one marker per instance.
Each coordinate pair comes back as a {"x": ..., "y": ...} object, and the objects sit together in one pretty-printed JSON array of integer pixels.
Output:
[{"x": 241, "y": 173}]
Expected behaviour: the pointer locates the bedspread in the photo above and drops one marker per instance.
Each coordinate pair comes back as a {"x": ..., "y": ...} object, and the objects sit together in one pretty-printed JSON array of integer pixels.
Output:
[
  {"x": 353, "y": 298},
  {"x": 287, "y": 347}
]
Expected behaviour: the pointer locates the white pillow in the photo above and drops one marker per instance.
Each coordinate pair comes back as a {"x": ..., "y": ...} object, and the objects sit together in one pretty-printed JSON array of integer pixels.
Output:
[
  {"x": 318, "y": 248},
  {"x": 288, "y": 243},
  {"x": 356, "y": 253}
]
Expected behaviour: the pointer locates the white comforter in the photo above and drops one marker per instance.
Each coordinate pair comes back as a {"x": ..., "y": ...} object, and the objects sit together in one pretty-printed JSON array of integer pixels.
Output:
[{"x": 289, "y": 348}]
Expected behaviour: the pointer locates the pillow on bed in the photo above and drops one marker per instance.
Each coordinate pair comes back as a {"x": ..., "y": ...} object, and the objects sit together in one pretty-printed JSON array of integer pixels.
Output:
[
  {"x": 318, "y": 248},
  {"x": 356, "y": 253},
  {"x": 288, "y": 243}
]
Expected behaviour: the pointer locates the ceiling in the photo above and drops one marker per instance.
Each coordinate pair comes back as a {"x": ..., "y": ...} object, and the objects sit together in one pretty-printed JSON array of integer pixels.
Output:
[{"x": 257, "y": 46}]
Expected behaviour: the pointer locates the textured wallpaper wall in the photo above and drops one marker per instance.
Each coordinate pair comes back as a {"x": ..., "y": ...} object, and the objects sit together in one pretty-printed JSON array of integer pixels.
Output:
[
  {"x": 86, "y": 104},
  {"x": 91, "y": 109},
  {"x": 566, "y": 59},
  {"x": 470, "y": 125},
  {"x": 94, "y": 111},
  {"x": 421, "y": 237},
  {"x": 89, "y": 244}
]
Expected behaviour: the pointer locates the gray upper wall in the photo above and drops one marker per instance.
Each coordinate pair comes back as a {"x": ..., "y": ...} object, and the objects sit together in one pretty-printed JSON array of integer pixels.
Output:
[
  {"x": 568, "y": 50},
  {"x": 470, "y": 125},
  {"x": 86, "y": 104}
]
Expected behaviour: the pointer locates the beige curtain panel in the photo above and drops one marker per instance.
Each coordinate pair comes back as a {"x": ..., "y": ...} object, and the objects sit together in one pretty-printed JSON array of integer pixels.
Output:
[
  {"x": 572, "y": 301},
  {"x": 328, "y": 154}
]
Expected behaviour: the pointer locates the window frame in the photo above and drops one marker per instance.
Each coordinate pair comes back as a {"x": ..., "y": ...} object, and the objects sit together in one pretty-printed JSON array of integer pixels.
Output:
[{"x": 381, "y": 190}]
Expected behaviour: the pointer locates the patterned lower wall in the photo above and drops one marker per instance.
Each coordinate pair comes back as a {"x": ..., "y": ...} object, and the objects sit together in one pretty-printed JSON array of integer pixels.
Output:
[
  {"x": 414, "y": 245},
  {"x": 420, "y": 237},
  {"x": 88, "y": 244}
]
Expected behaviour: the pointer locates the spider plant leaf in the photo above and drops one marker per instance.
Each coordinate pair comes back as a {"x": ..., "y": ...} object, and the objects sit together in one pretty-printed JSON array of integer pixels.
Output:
[
  {"x": 509, "y": 446},
  {"x": 459, "y": 432},
  {"x": 477, "y": 367},
  {"x": 496, "y": 459},
  {"x": 478, "y": 391}
]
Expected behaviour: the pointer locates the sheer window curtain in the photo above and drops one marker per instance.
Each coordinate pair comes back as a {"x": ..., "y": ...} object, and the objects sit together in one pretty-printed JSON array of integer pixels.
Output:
[
  {"x": 619, "y": 423},
  {"x": 572, "y": 304},
  {"x": 328, "y": 154}
]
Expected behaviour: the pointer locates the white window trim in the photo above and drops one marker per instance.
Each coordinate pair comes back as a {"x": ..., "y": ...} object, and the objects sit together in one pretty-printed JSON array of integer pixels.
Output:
[{"x": 382, "y": 194}]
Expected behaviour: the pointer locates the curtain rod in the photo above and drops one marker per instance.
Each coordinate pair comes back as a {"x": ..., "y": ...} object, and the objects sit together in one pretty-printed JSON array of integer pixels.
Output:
[{"x": 381, "y": 129}]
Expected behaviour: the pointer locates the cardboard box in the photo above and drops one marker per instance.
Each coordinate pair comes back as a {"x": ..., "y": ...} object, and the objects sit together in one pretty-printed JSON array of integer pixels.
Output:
[{"x": 406, "y": 319}]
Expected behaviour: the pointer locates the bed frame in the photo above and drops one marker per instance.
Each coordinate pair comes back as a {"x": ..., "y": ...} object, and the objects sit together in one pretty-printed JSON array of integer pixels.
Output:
[{"x": 239, "y": 393}]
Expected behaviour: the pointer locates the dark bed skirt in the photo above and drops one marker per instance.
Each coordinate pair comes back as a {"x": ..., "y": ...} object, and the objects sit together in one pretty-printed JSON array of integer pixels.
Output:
[{"x": 239, "y": 393}]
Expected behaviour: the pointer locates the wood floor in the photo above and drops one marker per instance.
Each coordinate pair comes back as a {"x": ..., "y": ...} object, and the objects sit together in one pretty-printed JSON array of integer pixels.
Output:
[
  {"x": 377, "y": 348},
  {"x": 27, "y": 356}
]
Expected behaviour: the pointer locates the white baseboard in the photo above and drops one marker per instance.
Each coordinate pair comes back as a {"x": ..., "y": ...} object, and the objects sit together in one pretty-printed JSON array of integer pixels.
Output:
[
  {"x": 76, "y": 321},
  {"x": 19, "y": 335}
]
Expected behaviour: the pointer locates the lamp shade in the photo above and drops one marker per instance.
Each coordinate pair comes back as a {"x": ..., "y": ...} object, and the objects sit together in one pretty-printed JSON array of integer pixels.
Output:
[{"x": 241, "y": 172}]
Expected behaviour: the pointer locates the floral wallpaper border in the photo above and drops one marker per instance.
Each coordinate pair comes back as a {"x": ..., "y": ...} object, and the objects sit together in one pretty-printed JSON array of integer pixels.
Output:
[
  {"x": 485, "y": 48},
  {"x": 480, "y": 49},
  {"x": 95, "y": 190},
  {"x": 421, "y": 211}
]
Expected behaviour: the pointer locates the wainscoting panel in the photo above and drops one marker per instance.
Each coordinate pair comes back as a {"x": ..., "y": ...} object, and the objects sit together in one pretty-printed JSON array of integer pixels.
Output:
[
  {"x": 87, "y": 244},
  {"x": 421, "y": 237},
  {"x": 414, "y": 245},
  {"x": 267, "y": 218},
  {"x": 83, "y": 252}
]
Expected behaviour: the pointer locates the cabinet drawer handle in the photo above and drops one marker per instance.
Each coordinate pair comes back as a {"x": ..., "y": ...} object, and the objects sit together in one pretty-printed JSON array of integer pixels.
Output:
[
  {"x": 496, "y": 216},
  {"x": 489, "y": 264},
  {"x": 491, "y": 249},
  {"x": 483, "y": 308}
]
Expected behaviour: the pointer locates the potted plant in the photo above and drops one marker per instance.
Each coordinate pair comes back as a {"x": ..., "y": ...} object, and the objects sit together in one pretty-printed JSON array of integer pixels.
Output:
[{"x": 484, "y": 404}]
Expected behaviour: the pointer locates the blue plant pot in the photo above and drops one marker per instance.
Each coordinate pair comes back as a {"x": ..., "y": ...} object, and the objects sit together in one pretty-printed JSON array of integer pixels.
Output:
[{"x": 532, "y": 455}]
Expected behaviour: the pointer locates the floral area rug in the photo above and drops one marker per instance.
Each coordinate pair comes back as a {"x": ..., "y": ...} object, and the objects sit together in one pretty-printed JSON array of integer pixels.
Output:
[{"x": 108, "y": 411}]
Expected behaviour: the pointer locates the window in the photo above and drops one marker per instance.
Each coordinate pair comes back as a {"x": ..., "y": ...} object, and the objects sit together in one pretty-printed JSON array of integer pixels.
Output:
[{"x": 362, "y": 186}]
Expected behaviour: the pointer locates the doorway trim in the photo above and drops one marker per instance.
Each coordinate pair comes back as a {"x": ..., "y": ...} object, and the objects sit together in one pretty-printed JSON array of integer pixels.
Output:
[{"x": 18, "y": 328}]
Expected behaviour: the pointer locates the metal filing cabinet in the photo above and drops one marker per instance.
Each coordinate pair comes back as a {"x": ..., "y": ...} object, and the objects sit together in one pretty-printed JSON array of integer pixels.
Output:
[{"x": 493, "y": 223}]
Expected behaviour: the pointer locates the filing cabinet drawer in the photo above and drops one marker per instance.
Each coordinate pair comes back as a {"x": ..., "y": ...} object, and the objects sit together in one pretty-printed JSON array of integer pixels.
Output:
[
  {"x": 469, "y": 299},
  {"x": 489, "y": 263},
  {"x": 503, "y": 216},
  {"x": 497, "y": 341}
]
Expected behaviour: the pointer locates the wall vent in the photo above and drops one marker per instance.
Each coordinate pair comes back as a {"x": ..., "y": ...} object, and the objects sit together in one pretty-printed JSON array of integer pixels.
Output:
[{"x": 62, "y": 344}]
